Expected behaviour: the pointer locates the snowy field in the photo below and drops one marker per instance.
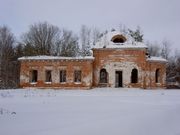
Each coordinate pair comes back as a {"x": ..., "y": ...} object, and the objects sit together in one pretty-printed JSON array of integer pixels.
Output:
[{"x": 90, "y": 112}]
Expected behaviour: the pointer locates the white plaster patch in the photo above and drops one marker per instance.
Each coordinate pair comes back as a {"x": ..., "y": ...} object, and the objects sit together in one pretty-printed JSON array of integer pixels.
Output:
[
  {"x": 55, "y": 76},
  {"x": 88, "y": 79},
  {"x": 77, "y": 67},
  {"x": 24, "y": 78},
  {"x": 126, "y": 68},
  {"x": 48, "y": 67},
  {"x": 62, "y": 67}
]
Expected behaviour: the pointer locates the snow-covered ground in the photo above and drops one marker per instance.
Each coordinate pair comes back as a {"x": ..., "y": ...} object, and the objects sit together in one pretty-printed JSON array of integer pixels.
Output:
[{"x": 90, "y": 112}]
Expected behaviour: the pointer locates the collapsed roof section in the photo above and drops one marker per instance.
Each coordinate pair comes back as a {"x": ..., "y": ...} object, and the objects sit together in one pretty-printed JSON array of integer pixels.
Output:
[{"x": 117, "y": 40}]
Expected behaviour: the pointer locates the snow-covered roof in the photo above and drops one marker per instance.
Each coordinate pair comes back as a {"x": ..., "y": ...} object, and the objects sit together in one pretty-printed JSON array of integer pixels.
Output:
[
  {"x": 156, "y": 59},
  {"x": 44, "y": 57},
  {"x": 106, "y": 41}
]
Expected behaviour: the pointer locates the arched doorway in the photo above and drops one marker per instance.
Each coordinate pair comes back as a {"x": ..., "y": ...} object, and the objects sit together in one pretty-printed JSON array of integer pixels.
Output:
[
  {"x": 134, "y": 76},
  {"x": 103, "y": 76}
]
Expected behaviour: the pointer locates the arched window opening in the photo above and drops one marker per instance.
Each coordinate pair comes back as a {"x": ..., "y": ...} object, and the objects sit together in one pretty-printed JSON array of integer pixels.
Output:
[
  {"x": 118, "y": 39},
  {"x": 103, "y": 76},
  {"x": 157, "y": 76},
  {"x": 134, "y": 76}
]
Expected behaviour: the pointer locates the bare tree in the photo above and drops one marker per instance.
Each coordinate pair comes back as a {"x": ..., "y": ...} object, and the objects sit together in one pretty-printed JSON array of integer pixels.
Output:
[
  {"x": 7, "y": 69},
  {"x": 123, "y": 29},
  {"x": 95, "y": 35},
  {"x": 19, "y": 50},
  {"x": 171, "y": 66},
  {"x": 85, "y": 37},
  {"x": 154, "y": 49},
  {"x": 41, "y": 38},
  {"x": 166, "y": 48},
  {"x": 67, "y": 44},
  {"x": 177, "y": 64}
]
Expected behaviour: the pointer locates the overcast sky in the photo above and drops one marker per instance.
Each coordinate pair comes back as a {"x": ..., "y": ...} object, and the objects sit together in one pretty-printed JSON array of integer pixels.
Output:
[{"x": 158, "y": 19}]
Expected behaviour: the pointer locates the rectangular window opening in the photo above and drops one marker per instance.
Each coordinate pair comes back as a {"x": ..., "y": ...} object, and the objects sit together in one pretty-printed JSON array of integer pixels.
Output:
[
  {"x": 48, "y": 76},
  {"x": 62, "y": 76},
  {"x": 77, "y": 76},
  {"x": 34, "y": 76}
]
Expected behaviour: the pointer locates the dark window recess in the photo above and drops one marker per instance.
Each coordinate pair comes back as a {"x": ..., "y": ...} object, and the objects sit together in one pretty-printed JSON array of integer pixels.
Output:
[
  {"x": 119, "y": 79},
  {"x": 134, "y": 76},
  {"x": 77, "y": 76},
  {"x": 103, "y": 76},
  {"x": 118, "y": 40},
  {"x": 62, "y": 75},
  {"x": 34, "y": 75},
  {"x": 48, "y": 76},
  {"x": 157, "y": 75}
]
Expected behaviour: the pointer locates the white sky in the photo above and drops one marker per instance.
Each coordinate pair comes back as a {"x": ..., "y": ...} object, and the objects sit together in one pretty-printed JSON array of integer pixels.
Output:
[{"x": 158, "y": 19}]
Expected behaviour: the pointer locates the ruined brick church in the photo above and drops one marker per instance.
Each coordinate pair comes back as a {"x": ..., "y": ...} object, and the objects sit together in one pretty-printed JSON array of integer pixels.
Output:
[{"x": 116, "y": 61}]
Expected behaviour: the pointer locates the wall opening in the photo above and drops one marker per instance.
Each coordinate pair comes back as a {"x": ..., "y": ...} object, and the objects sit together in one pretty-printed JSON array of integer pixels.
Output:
[
  {"x": 103, "y": 76},
  {"x": 157, "y": 75},
  {"x": 33, "y": 76},
  {"x": 134, "y": 76},
  {"x": 62, "y": 76},
  {"x": 119, "y": 79},
  {"x": 48, "y": 76},
  {"x": 118, "y": 39},
  {"x": 77, "y": 76}
]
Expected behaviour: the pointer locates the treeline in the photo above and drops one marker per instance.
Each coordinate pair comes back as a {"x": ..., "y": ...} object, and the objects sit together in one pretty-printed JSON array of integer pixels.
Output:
[{"x": 47, "y": 39}]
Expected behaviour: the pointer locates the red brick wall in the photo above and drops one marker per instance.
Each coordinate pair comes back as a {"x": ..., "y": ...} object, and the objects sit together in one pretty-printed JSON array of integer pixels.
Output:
[
  {"x": 55, "y": 65},
  {"x": 150, "y": 76},
  {"x": 110, "y": 59},
  {"x": 125, "y": 60}
]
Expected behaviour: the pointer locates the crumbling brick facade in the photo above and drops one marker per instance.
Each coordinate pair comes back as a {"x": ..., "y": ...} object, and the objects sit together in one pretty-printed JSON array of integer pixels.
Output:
[
  {"x": 55, "y": 66},
  {"x": 116, "y": 63},
  {"x": 125, "y": 60}
]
